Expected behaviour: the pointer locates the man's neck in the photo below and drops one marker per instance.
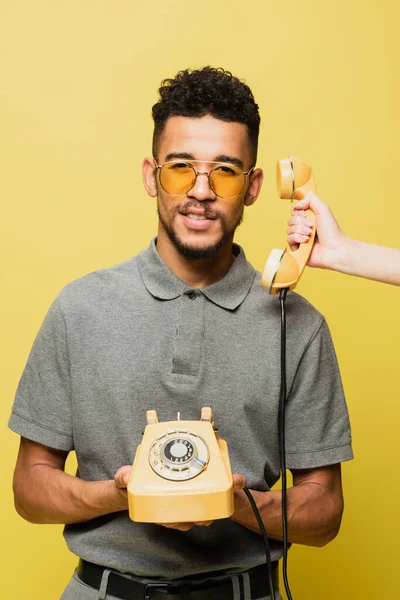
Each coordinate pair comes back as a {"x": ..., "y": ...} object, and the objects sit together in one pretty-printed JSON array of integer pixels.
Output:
[{"x": 196, "y": 273}]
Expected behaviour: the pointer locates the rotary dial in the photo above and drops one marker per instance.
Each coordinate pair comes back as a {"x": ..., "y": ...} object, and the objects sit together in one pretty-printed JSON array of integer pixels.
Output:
[{"x": 178, "y": 455}]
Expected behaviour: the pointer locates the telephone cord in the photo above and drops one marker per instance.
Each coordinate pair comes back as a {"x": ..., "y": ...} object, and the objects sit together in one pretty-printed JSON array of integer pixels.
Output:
[
  {"x": 266, "y": 542},
  {"x": 282, "y": 442},
  {"x": 282, "y": 454}
]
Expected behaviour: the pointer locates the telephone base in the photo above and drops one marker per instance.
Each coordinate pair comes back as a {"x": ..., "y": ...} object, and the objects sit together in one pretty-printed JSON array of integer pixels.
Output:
[
  {"x": 181, "y": 473},
  {"x": 182, "y": 508}
]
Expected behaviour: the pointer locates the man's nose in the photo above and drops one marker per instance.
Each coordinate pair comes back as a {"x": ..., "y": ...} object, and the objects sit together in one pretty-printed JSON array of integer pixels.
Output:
[{"x": 201, "y": 189}]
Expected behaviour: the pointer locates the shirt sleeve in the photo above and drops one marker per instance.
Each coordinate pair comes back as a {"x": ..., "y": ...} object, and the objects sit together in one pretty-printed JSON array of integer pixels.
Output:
[
  {"x": 42, "y": 407},
  {"x": 317, "y": 422}
]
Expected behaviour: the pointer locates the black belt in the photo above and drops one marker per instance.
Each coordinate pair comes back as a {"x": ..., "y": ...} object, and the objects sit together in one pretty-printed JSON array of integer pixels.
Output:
[{"x": 122, "y": 586}]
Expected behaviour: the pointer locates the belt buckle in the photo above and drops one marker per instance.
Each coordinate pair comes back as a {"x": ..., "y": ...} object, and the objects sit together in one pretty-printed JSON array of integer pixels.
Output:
[{"x": 153, "y": 585}]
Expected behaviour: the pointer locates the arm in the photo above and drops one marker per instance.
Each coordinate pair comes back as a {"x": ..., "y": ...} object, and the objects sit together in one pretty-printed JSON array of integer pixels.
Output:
[
  {"x": 44, "y": 493},
  {"x": 335, "y": 250},
  {"x": 314, "y": 507}
]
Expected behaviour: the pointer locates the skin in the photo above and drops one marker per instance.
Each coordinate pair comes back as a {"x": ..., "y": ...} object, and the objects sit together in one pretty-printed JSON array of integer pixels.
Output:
[
  {"x": 205, "y": 139},
  {"x": 336, "y": 251},
  {"x": 44, "y": 493}
]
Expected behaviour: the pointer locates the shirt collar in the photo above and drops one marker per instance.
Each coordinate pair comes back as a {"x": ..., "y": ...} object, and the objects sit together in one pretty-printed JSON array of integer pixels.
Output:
[{"x": 229, "y": 292}]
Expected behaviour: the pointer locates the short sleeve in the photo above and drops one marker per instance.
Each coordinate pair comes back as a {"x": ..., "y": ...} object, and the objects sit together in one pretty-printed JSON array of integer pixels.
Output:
[
  {"x": 317, "y": 422},
  {"x": 42, "y": 407}
]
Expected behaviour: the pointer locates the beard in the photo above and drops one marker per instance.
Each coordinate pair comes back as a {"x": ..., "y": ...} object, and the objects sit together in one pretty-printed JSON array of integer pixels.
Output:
[{"x": 198, "y": 252}]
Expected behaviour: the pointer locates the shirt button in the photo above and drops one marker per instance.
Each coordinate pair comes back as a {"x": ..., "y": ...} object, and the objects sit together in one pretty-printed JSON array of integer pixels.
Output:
[{"x": 192, "y": 295}]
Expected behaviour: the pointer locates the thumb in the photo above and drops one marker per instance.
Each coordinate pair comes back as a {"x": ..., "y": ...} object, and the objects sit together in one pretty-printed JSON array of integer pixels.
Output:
[
  {"x": 312, "y": 201},
  {"x": 302, "y": 204},
  {"x": 239, "y": 481},
  {"x": 121, "y": 477}
]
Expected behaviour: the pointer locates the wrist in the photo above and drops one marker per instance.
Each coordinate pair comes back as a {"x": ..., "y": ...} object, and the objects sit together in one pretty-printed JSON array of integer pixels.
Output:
[
  {"x": 244, "y": 514},
  {"x": 102, "y": 497},
  {"x": 333, "y": 252},
  {"x": 343, "y": 255}
]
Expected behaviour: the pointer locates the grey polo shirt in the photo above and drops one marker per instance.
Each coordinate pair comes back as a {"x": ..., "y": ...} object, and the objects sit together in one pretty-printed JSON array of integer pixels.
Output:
[{"x": 134, "y": 337}]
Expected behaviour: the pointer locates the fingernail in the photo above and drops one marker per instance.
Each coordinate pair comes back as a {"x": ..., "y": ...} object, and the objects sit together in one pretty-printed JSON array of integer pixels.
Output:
[{"x": 309, "y": 223}]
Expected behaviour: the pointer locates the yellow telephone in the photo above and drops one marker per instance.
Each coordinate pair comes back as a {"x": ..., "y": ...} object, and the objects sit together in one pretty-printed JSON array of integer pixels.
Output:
[
  {"x": 284, "y": 268},
  {"x": 181, "y": 472}
]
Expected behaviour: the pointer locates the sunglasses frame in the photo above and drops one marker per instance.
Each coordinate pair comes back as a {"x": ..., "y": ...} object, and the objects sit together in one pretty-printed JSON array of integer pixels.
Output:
[{"x": 197, "y": 173}]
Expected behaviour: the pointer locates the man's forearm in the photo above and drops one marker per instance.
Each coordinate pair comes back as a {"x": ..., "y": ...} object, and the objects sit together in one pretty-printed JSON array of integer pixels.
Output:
[
  {"x": 44, "y": 494},
  {"x": 313, "y": 515}
]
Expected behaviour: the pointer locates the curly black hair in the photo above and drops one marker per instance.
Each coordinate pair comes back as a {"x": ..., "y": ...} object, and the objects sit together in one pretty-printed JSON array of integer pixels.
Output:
[{"x": 207, "y": 91}]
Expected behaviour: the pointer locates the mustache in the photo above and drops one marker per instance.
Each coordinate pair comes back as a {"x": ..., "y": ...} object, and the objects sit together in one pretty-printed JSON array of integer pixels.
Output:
[{"x": 204, "y": 206}]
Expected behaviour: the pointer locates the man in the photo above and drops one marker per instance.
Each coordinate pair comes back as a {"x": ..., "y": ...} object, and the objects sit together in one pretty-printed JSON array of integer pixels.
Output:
[{"x": 185, "y": 324}]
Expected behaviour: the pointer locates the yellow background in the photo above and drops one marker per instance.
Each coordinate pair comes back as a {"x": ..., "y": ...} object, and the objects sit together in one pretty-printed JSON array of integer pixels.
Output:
[{"x": 77, "y": 83}]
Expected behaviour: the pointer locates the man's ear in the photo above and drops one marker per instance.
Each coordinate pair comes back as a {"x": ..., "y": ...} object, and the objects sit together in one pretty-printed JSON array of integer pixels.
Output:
[
  {"x": 254, "y": 189},
  {"x": 149, "y": 176}
]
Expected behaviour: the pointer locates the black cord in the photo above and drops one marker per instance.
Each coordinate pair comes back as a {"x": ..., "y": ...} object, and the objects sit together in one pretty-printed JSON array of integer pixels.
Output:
[
  {"x": 282, "y": 454},
  {"x": 266, "y": 542},
  {"x": 282, "y": 443}
]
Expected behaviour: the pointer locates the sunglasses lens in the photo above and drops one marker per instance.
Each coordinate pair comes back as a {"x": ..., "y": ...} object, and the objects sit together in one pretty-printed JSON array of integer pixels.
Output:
[
  {"x": 227, "y": 181},
  {"x": 177, "y": 178}
]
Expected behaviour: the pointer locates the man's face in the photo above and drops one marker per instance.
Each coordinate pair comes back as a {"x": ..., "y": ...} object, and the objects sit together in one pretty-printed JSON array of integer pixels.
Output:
[{"x": 199, "y": 222}]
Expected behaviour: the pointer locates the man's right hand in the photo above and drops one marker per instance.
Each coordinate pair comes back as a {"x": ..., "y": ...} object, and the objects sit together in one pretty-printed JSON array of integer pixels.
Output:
[{"x": 121, "y": 479}]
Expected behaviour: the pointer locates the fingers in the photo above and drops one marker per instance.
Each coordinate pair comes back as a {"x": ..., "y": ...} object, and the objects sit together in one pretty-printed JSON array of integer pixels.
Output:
[
  {"x": 301, "y": 205},
  {"x": 299, "y": 230},
  {"x": 328, "y": 229},
  {"x": 239, "y": 481},
  {"x": 297, "y": 212},
  {"x": 186, "y": 526},
  {"x": 299, "y": 222},
  {"x": 121, "y": 477},
  {"x": 178, "y": 526},
  {"x": 295, "y": 239},
  {"x": 312, "y": 201}
]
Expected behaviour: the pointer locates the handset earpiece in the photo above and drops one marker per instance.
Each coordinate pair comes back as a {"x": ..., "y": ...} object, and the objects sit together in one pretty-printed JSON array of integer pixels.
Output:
[{"x": 283, "y": 268}]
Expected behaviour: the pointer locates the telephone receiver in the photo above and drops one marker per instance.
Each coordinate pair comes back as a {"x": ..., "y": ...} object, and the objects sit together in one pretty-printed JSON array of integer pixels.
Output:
[
  {"x": 181, "y": 472},
  {"x": 283, "y": 267}
]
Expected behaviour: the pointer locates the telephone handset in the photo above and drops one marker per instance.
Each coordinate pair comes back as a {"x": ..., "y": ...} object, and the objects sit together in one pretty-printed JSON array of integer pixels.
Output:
[
  {"x": 181, "y": 472},
  {"x": 284, "y": 268}
]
